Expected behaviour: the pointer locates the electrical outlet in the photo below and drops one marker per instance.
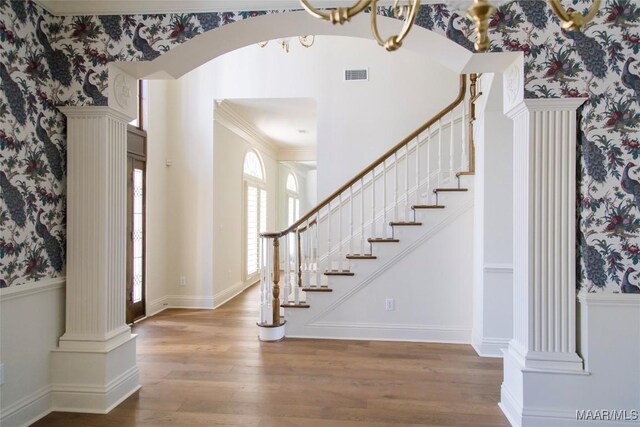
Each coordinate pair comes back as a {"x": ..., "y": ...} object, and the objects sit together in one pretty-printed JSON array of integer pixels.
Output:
[
  {"x": 183, "y": 281},
  {"x": 390, "y": 304}
]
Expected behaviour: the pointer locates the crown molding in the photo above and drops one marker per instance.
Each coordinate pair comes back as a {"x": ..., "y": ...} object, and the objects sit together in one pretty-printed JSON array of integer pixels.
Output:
[
  {"x": 297, "y": 154},
  {"x": 228, "y": 117},
  {"x": 120, "y": 7}
]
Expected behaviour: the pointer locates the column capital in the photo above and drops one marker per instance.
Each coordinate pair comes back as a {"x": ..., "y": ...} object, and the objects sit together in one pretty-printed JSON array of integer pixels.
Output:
[
  {"x": 87, "y": 111},
  {"x": 545, "y": 104}
]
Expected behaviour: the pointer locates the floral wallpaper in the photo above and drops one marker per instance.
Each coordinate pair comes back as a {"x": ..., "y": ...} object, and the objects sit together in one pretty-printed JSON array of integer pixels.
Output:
[{"x": 46, "y": 61}]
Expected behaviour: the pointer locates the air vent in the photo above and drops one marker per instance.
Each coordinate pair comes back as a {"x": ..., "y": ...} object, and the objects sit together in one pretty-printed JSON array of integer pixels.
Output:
[{"x": 356, "y": 75}]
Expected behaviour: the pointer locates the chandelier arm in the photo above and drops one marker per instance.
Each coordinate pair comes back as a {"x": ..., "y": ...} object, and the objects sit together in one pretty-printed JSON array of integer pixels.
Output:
[
  {"x": 339, "y": 15},
  {"x": 303, "y": 41},
  {"x": 394, "y": 42}
]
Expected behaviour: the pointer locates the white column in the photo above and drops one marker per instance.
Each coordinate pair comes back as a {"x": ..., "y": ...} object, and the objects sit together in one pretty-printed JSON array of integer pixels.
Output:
[
  {"x": 544, "y": 255},
  {"x": 94, "y": 367}
]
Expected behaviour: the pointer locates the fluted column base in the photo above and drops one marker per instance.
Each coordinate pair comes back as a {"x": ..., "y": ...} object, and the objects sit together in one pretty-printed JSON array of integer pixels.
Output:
[{"x": 94, "y": 379}]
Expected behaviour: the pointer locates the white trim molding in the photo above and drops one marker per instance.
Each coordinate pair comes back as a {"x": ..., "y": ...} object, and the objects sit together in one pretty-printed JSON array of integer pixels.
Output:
[
  {"x": 227, "y": 116},
  {"x": 120, "y": 7},
  {"x": 498, "y": 268},
  {"x": 29, "y": 409},
  {"x": 31, "y": 288},
  {"x": 387, "y": 332}
]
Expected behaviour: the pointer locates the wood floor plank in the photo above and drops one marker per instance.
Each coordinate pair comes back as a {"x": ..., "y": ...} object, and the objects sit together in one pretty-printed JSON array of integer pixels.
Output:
[{"x": 207, "y": 368}]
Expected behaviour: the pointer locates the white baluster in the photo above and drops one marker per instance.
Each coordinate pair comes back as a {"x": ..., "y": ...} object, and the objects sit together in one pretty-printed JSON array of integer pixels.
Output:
[
  {"x": 428, "y": 174},
  {"x": 451, "y": 173},
  {"x": 350, "y": 223},
  {"x": 384, "y": 198},
  {"x": 286, "y": 292},
  {"x": 406, "y": 182},
  {"x": 464, "y": 166},
  {"x": 329, "y": 263},
  {"x": 307, "y": 242},
  {"x": 439, "y": 152},
  {"x": 317, "y": 242},
  {"x": 417, "y": 198},
  {"x": 395, "y": 185},
  {"x": 340, "y": 253},
  {"x": 296, "y": 287},
  {"x": 373, "y": 202},
  {"x": 362, "y": 216}
]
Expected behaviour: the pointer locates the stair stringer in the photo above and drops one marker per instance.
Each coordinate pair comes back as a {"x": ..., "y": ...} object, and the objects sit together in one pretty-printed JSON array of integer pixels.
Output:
[{"x": 316, "y": 321}]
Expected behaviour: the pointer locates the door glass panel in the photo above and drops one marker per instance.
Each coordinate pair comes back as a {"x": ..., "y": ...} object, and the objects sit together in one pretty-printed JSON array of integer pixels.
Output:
[{"x": 138, "y": 217}]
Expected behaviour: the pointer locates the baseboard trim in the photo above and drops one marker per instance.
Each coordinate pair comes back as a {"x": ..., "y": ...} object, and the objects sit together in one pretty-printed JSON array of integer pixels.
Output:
[
  {"x": 125, "y": 385},
  {"x": 490, "y": 347},
  {"x": 384, "y": 332},
  {"x": 230, "y": 293},
  {"x": 29, "y": 409},
  {"x": 510, "y": 408},
  {"x": 157, "y": 306},
  {"x": 190, "y": 301}
]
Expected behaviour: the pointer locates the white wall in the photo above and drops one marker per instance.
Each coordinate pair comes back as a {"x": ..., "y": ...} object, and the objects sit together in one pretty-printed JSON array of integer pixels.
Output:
[
  {"x": 493, "y": 262},
  {"x": 229, "y": 152},
  {"x": 31, "y": 321},
  {"x": 428, "y": 274},
  {"x": 357, "y": 121},
  {"x": 159, "y": 240}
]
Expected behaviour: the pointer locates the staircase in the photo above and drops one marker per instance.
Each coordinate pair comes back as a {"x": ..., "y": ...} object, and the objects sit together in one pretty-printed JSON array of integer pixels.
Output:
[{"x": 369, "y": 225}]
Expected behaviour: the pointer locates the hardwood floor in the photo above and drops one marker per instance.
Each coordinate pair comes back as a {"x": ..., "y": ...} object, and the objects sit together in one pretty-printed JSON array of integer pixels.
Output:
[{"x": 207, "y": 368}]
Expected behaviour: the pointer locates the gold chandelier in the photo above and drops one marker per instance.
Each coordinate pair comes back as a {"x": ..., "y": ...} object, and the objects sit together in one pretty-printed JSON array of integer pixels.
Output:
[
  {"x": 306, "y": 41},
  {"x": 479, "y": 12}
]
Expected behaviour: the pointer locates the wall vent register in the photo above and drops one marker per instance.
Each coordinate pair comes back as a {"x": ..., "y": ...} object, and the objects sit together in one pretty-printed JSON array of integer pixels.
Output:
[{"x": 359, "y": 74}]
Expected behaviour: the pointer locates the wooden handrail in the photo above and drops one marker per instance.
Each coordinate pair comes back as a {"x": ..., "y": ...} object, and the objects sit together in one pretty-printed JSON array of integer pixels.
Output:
[{"x": 376, "y": 163}]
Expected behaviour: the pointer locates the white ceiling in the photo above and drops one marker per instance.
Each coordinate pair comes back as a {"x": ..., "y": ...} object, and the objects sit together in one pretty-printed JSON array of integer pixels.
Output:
[
  {"x": 114, "y": 7},
  {"x": 289, "y": 122}
]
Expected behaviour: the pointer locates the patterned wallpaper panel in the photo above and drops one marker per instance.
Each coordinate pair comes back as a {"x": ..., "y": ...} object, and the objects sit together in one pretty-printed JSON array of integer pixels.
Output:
[{"x": 46, "y": 61}]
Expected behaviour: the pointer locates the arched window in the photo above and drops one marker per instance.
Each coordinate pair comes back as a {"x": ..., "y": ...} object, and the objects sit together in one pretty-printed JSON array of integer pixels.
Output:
[
  {"x": 292, "y": 184},
  {"x": 253, "y": 165},
  {"x": 293, "y": 201},
  {"x": 255, "y": 211}
]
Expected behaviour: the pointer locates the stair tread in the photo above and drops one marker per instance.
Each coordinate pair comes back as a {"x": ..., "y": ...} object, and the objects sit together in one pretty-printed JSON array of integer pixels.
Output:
[
  {"x": 317, "y": 289},
  {"x": 404, "y": 223},
  {"x": 365, "y": 256},
  {"x": 449, "y": 189},
  {"x": 338, "y": 273},
  {"x": 294, "y": 305},
  {"x": 427, "y": 207},
  {"x": 382, "y": 240}
]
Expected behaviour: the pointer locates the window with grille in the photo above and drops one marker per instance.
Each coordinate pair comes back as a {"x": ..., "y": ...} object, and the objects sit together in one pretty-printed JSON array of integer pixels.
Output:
[
  {"x": 293, "y": 201},
  {"x": 255, "y": 211}
]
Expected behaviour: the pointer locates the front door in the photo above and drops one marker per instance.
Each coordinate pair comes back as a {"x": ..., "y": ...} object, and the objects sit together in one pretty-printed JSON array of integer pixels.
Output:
[{"x": 136, "y": 271}]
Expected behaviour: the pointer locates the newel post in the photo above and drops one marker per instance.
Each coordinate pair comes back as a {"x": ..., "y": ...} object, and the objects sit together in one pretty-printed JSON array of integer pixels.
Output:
[{"x": 270, "y": 327}]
